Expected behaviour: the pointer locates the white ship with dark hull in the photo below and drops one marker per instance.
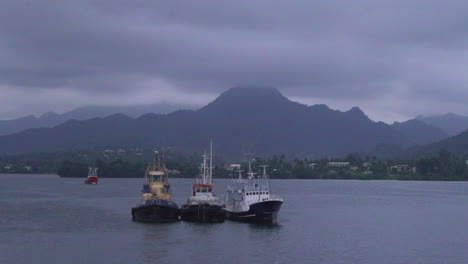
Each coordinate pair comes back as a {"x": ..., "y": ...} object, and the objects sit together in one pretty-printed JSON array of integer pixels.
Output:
[
  {"x": 156, "y": 205},
  {"x": 203, "y": 205},
  {"x": 250, "y": 200}
]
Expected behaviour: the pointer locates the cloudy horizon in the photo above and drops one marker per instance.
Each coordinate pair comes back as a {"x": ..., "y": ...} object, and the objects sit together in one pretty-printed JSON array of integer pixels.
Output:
[{"x": 393, "y": 59}]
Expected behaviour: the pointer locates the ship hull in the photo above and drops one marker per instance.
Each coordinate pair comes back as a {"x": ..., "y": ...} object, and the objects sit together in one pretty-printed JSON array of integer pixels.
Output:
[
  {"x": 259, "y": 213},
  {"x": 155, "y": 213},
  {"x": 203, "y": 213},
  {"x": 91, "y": 180}
]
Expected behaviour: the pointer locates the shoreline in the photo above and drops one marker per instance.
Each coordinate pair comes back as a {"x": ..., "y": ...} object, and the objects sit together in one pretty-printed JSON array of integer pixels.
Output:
[{"x": 345, "y": 179}]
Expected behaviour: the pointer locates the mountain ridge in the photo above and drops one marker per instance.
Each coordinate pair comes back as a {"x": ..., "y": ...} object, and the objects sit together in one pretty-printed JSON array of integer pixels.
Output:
[
  {"x": 51, "y": 119},
  {"x": 241, "y": 120},
  {"x": 451, "y": 123}
]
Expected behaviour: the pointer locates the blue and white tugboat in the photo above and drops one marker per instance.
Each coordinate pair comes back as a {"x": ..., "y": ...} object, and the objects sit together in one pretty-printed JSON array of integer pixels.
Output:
[
  {"x": 203, "y": 205},
  {"x": 250, "y": 200},
  {"x": 156, "y": 205}
]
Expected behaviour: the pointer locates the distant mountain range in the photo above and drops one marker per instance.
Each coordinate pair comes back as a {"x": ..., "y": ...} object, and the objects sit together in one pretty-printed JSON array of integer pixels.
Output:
[
  {"x": 452, "y": 124},
  {"x": 52, "y": 119},
  {"x": 241, "y": 120},
  {"x": 419, "y": 132},
  {"x": 457, "y": 145}
]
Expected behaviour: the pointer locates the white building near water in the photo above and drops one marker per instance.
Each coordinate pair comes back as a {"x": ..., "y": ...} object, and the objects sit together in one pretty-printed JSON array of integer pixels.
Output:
[
  {"x": 232, "y": 167},
  {"x": 338, "y": 164},
  {"x": 403, "y": 169}
]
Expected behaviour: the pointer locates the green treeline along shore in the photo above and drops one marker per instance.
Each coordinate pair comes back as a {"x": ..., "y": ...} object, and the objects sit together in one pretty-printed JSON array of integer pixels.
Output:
[{"x": 441, "y": 167}]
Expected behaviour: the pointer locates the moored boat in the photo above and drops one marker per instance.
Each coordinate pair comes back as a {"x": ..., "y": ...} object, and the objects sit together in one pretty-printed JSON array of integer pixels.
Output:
[
  {"x": 156, "y": 205},
  {"x": 92, "y": 176},
  {"x": 203, "y": 205},
  {"x": 250, "y": 200}
]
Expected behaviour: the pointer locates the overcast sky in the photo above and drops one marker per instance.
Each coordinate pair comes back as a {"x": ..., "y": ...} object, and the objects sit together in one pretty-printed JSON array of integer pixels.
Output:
[{"x": 393, "y": 58}]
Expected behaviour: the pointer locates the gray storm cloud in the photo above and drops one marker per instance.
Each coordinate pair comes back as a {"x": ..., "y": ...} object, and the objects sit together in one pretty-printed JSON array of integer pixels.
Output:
[{"x": 395, "y": 59}]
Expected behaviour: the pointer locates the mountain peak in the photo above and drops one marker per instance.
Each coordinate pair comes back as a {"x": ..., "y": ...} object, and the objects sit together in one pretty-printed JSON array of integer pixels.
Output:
[
  {"x": 49, "y": 115},
  {"x": 252, "y": 91},
  {"x": 357, "y": 113},
  {"x": 117, "y": 117},
  {"x": 356, "y": 110},
  {"x": 242, "y": 96}
]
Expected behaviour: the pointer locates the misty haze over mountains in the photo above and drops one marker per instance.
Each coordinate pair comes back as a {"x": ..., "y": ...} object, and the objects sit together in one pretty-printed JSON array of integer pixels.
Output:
[
  {"x": 51, "y": 119},
  {"x": 242, "y": 119},
  {"x": 452, "y": 124}
]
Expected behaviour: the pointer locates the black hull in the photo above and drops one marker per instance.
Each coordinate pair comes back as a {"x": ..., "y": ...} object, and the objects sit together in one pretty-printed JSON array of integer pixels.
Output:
[
  {"x": 259, "y": 213},
  {"x": 155, "y": 214},
  {"x": 203, "y": 213}
]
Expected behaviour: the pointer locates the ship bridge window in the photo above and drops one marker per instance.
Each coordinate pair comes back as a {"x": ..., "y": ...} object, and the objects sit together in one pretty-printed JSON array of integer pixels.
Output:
[
  {"x": 156, "y": 178},
  {"x": 209, "y": 189}
]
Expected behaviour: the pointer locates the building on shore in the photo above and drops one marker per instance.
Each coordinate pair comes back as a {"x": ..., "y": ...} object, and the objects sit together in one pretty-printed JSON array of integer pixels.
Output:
[
  {"x": 338, "y": 164},
  {"x": 403, "y": 169},
  {"x": 232, "y": 167}
]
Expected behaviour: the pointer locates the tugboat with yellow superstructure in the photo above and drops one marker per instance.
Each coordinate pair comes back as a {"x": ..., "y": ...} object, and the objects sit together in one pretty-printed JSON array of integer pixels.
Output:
[{"x": 156, "y": 206}]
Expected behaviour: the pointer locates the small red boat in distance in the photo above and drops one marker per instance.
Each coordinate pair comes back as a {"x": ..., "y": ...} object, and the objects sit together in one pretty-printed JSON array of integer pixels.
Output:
[{"x": 92, "y": 176}]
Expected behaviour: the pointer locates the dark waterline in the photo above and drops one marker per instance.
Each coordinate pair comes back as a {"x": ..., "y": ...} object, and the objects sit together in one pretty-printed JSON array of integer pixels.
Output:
[{"x": 47, "y": 219}]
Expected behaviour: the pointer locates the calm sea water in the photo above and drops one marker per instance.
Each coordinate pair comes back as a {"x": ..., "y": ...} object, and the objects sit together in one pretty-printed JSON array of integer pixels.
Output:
[{"x": 46, "y": 219}]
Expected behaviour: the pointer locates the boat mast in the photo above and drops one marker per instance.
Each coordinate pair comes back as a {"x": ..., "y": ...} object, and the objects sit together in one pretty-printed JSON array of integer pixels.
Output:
[
  {"x": 156, "y": 160},
  {"x": 204, "y": 168},
  {"x": 211, "y": 163},
  {"x": 240, "y": 174},
  {"x": 250, "y": 173},
  {"x": 265, "y": 176},
  {"x": 92, "y": 171},
  {"x": 264, "y": 171}
]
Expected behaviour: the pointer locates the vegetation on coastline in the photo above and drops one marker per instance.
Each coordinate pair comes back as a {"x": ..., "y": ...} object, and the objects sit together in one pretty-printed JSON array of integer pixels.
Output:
[{"x": 443, "y": 166}]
